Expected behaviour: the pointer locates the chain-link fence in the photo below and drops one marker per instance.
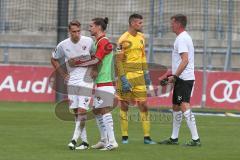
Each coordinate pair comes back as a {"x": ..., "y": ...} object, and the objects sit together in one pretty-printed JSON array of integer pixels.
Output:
[{"x": 36, "y": 23}]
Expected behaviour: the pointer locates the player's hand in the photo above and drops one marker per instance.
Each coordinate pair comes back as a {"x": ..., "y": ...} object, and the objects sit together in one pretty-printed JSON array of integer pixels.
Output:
[
  {"x": 94, "y": 73},
  {"x": 164, "y": 82},
  {"x": 147, "y": 79},
  {"x": 126, "y": 86},
  {"x": 172, "y": 79},
  {"x": 65, "y": 77},
  {"x": 72, "y": 62},
  {"x": 168, "y": 79}
]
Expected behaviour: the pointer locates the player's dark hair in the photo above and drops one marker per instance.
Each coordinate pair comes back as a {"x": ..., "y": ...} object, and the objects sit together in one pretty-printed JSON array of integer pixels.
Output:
[
  {"x": 103, "y": 22},
  {"x": 74, "y": 23},
  {"x": 134, "y": 16},
  {"x": 182, "y": 19}
]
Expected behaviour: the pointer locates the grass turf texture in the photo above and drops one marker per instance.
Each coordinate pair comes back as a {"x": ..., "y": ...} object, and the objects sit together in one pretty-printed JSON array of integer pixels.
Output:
[{"x": 31, "y": 131}]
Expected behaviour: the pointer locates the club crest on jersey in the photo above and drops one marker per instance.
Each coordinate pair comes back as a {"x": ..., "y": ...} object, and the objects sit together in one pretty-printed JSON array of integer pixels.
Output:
[
  {"x": 86, "y": 99},
  {"x": 84, "y": 47},
  {"x": 67, "y": 50},
  {"x": 141, "y": 41}
]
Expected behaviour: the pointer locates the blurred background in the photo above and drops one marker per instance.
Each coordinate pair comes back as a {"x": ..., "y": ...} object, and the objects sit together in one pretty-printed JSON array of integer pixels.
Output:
[{"x": 30, "y": 30}]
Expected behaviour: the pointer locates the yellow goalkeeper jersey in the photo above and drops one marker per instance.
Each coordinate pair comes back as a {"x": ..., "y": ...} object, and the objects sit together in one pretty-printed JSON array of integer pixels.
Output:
[{"x": 133, "y": 50}]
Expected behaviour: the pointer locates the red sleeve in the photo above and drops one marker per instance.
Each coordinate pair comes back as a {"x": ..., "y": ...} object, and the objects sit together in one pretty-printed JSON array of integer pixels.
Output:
[{"x": 104, "y": 48}]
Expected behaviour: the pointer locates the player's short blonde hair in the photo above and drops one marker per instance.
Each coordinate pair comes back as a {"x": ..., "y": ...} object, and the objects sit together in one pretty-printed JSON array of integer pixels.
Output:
[{"x": 74, "y": 23}]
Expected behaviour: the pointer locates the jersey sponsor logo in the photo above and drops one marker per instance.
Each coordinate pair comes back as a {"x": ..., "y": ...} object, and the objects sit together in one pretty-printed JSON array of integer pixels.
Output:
[{"x": 230, "y": 91}]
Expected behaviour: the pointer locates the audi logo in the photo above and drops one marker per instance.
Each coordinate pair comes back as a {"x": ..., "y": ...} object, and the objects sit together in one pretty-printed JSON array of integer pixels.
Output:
[{"x": 227, "y": 95}]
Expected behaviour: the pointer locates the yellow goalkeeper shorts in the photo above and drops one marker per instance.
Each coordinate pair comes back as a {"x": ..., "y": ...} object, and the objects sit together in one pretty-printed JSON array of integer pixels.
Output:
[{"x": 138, "y": 92}]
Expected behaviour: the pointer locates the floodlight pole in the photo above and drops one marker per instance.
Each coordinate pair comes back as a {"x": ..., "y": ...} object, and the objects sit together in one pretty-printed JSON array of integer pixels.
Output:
[
  {"x": 150, "y": 43},
  {"x": 204, "y": 85},
  {"x": 62, "y": 33},
  {"x": 228, "y": 58},
  {"x": 2, "y": 16}
]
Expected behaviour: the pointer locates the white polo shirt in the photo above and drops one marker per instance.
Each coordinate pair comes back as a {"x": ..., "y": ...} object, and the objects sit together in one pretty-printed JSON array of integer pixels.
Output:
[{"x": 183, "y": 43}]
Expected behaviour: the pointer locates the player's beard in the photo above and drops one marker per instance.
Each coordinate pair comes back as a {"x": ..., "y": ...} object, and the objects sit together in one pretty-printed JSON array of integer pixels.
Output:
[
  {"x": 93, "y": 34},
  {"x": 139, "y": 30},
  {"x": 75, "y": 39}
]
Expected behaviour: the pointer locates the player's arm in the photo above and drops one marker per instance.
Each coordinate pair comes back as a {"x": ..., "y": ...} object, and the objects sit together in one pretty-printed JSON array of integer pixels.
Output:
[
  {"x": 78, "y": 63},
  {"x": 181, "y": 67},
  {"x": 58, "y": 53},
  {"x": 56, "y": 65},
  {"x": 145, "y": 66},
  {"x": 102, "y": 50},
  {"x": 144, "y": 61},
  {"x": 119, "y": 62},
  {"x": 183, "y": 64},
  {"x": 123, "y": 45},
  {"x": 120, "y": 58}
]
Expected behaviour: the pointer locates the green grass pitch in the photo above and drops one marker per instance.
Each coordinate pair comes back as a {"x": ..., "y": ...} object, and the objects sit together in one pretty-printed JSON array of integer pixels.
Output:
[{"x": 31, "y": 131}]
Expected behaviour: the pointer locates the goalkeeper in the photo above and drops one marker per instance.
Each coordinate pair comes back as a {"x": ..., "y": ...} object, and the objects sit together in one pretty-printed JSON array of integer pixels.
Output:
[{"x": 133, "y": 77}]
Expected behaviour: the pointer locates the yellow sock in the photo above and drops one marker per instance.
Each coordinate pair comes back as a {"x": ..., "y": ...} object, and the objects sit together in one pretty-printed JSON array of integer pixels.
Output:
[
  {"x": 124, "y": 122},
  {"x": 145, "y": 123}
]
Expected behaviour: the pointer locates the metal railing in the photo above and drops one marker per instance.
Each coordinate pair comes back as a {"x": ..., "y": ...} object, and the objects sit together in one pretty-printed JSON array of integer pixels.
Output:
[{"x": 6, "y": 48}]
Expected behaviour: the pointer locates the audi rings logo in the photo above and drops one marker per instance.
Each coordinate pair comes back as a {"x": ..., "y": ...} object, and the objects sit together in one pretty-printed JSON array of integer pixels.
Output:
[{"x": 228, "y": 93}]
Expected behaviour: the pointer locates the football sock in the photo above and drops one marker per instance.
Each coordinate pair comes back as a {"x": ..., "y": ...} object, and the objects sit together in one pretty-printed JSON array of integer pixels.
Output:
[
  {"x": 108, "y": 121},
  {"x": 77, "y": 130},
  {"x": 124, "y": 122},
  {"x": 84, "y": 133},
  {"x": 145, "y": 123},
  {"x": 101, "y": 127},
  {"x": 190, "y": 119},
  {"x": 177, "y": 120}
]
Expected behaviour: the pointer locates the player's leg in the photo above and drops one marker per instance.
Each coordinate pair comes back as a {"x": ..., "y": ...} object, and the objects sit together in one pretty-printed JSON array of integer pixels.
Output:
[
  {"x": 176, "y": 122},
  {"x": 73, "y": 104},
  {"x": 108, "y": 121},
  {"x": 79, "y": 105},
  {"x": 145, "y": 118},
  {"x": 102, "y": 131},
  {"x": 83, "y": 103},
  {"x": 124, "y": 120},
  {"x": 176, "y": 115},
  {"x": 189, "y": 116},
  {"x": 123, "y": 112},
  {"x": 103, "y": 103},
  {"x": 191, "y": 123},
  {"x": 139, "y": 94}
]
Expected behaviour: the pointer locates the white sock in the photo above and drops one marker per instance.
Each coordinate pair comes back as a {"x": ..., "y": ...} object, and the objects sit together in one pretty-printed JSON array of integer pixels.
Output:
[
  {"x": 83, "y": 128},
  {"x": 77, "y": 130},
  {"x": 80, "y": 129},
  {"x": 102, "y": 128},
  {"x": 84, "y": 134},
  {"x": 108, "y": 121},
  {"x": 190, "y": 119},
  {"x": 177, "y": 120}
]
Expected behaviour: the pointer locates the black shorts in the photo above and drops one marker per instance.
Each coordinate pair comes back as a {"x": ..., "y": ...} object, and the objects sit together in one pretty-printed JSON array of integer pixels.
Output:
[{"x": 182, "y": 91}]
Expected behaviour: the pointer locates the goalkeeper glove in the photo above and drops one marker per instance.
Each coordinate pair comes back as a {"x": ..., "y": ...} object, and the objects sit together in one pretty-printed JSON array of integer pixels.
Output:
[{"x": 126, "y": 86}]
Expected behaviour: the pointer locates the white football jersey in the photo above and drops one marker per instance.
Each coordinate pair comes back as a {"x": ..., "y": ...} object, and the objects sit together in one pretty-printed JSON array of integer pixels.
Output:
[
  {"x": 68, "y": 50},
  {"x": 183, "y": 43}
]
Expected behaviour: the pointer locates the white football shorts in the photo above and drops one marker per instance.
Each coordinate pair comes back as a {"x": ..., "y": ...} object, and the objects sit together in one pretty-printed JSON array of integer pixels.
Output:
[{"x": 104, "y": 96}]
